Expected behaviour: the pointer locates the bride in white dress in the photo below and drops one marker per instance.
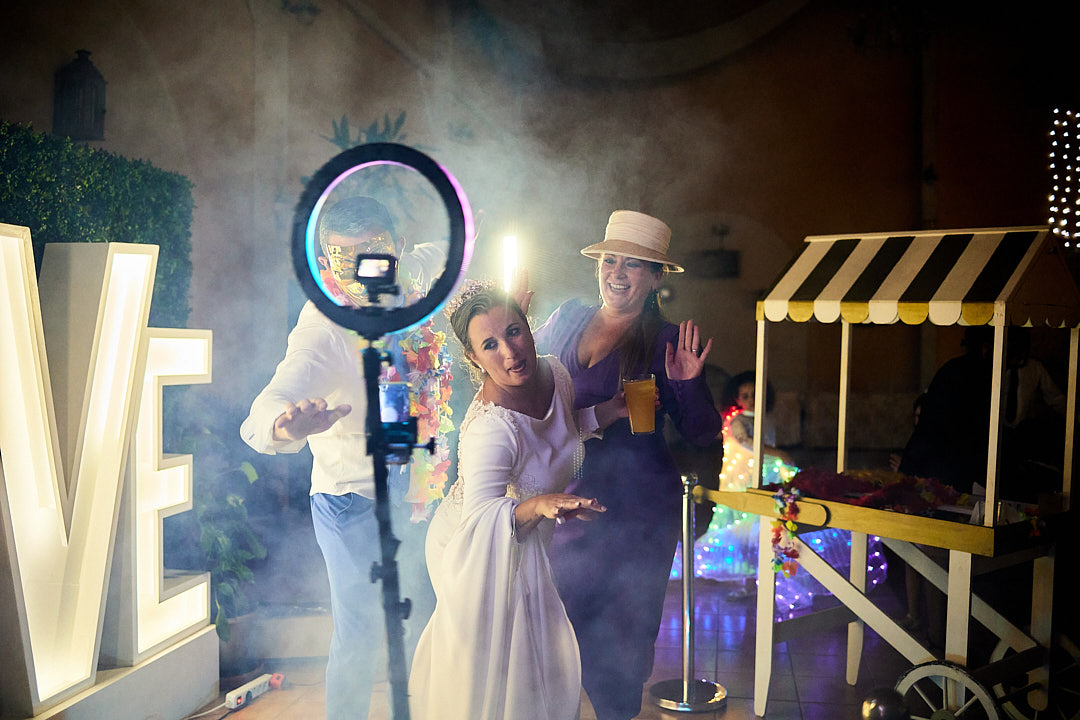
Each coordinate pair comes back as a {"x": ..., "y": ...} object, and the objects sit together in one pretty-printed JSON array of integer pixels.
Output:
[{"x": 499, "y": 645}]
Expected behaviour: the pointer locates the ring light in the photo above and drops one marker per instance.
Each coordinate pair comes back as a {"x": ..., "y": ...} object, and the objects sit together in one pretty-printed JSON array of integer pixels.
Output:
[{"x": 375, "y": 320}]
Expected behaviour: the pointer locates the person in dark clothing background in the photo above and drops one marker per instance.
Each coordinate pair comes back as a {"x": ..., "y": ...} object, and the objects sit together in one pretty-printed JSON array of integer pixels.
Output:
[
  {"x": 1033, "y": 429},
  {"x": 950, "y": 441}
]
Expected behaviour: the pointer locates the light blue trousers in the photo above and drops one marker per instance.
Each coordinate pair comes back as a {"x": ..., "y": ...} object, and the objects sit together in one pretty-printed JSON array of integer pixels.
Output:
[{"x": 348, "y": 535}]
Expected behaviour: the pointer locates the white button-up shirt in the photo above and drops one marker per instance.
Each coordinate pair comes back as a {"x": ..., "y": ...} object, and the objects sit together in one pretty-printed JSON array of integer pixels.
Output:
[{"x": 322, "y": 360}]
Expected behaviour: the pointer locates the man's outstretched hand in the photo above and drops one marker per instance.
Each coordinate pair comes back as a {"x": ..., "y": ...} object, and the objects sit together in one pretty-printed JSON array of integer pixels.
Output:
[{"x": 308, "y": 417}]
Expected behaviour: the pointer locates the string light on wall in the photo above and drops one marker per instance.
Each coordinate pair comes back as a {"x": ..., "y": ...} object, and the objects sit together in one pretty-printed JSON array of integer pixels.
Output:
[{"x": 1064, "y": 197}]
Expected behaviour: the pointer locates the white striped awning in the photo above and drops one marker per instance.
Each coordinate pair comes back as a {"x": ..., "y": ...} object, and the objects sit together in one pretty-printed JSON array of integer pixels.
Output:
[{"x": 1013, "y": 276}]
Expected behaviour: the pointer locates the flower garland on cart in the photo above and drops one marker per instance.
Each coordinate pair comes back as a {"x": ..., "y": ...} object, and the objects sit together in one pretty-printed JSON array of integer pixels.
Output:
[
  {"x": 783, "y": 530},
  {"x": 880, "y": 489},
  {"x": 727, "y": 552}
]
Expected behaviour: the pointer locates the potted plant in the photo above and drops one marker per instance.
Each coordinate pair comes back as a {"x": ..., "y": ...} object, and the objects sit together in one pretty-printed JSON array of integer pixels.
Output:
[{"x": 217, "y": 535}]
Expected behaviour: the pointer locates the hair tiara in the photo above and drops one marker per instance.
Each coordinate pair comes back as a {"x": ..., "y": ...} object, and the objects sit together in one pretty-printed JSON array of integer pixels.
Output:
[{"x": 469, "y": 289}]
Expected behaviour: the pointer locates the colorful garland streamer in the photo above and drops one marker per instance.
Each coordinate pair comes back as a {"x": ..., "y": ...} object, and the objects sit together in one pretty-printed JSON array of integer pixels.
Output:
[
  {"x": 429, "y": 375},
  {"x": 429, "y": 378}
]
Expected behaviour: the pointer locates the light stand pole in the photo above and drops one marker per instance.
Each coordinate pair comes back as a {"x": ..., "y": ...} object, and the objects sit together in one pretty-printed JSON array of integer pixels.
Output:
[
  {"x": 686, "y": 694},
  {"x": 376, "y": 272},
  {"x": 395, "y": 609}
]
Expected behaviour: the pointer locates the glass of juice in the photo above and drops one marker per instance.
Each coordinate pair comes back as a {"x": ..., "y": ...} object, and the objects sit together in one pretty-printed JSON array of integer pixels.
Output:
[{"x": 640, "y": 391}]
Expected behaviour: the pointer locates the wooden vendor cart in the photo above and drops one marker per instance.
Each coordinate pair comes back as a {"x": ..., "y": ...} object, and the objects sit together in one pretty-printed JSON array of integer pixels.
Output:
[{"x": 999, "y": 277}]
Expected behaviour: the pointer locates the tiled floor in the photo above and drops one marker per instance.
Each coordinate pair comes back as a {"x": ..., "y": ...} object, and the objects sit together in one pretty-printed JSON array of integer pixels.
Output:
[{"x": 807, "y": 684}]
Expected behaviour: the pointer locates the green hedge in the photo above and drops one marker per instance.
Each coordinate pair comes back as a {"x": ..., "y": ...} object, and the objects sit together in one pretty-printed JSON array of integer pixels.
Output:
[{"x": 67, "y": 192}]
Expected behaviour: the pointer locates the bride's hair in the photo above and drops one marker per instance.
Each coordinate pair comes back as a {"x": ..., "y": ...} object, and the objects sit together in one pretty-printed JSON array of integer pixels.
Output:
[{"x": 477, "y": 298}]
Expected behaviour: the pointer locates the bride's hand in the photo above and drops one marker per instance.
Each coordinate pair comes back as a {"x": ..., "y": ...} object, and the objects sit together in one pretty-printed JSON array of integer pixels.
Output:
[
  {"x": 561, "y": 507},
  {"x": 556, "y": 506},
  {"x": 587, "y": 510}
]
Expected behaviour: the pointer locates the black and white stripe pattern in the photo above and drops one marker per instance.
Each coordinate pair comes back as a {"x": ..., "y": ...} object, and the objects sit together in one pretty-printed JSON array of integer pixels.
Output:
[{"x": 969, "y": 277}]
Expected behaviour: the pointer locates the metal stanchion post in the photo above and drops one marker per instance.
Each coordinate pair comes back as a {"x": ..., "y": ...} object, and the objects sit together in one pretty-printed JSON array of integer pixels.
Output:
[{"x": 687, "y": 694}]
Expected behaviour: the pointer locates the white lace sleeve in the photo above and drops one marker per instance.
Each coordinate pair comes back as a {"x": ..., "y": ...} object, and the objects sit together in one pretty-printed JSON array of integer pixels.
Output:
[{"x": 487, "y": 454}]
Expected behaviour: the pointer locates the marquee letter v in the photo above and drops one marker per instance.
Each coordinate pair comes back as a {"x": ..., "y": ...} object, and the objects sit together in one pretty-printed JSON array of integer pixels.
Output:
[{"x": 61, "y": 463}]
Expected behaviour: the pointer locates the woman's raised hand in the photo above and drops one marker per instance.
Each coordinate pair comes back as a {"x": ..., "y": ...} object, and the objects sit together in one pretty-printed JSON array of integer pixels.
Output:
[
  {"x": 686, "y": 361},
  {"x": 520, "y": 290}
]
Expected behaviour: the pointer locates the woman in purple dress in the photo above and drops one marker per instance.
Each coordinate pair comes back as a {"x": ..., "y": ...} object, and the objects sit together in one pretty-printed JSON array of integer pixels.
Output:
[{"x": 613, "y": 574}]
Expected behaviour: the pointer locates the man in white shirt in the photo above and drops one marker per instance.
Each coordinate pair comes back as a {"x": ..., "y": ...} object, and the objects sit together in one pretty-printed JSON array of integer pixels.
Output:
[{"x": 317, "y": 396}]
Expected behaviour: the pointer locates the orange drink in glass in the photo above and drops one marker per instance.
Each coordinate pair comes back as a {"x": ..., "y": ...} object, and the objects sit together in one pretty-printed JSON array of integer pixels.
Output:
[{"x": 640, "y": 392}]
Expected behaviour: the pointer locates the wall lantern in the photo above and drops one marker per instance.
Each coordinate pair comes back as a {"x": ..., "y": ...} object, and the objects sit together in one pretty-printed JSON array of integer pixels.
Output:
[
  {"x": 79, "y": 100},
  {"x": 719, "y": 263}
]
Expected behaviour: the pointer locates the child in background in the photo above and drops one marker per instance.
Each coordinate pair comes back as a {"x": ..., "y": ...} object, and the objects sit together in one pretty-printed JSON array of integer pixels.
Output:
[
  {"x": 735, "y": 531},
  {"x": 738, "y": 403}
]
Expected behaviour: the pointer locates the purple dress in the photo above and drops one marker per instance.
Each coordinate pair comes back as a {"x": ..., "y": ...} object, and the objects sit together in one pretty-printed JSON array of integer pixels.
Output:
[{"x": 612, "y": 573}]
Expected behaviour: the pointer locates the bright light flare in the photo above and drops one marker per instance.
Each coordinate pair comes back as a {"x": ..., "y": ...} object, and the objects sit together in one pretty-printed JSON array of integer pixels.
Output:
[{"x": 510, "y": 261}]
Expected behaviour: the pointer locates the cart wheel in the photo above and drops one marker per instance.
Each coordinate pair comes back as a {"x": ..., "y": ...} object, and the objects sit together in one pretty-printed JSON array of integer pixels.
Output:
[
  {"x": 926, "y": 693},
  {"x": 1063, "y": 703}
]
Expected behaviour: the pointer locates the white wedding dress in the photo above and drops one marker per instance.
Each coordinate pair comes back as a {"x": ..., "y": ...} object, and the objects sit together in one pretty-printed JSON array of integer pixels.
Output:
[{"x": 499, "y": 645}]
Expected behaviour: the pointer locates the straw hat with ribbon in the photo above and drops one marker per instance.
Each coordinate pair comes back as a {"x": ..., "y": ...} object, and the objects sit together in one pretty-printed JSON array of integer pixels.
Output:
[{"x": 635, "y": 235}]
